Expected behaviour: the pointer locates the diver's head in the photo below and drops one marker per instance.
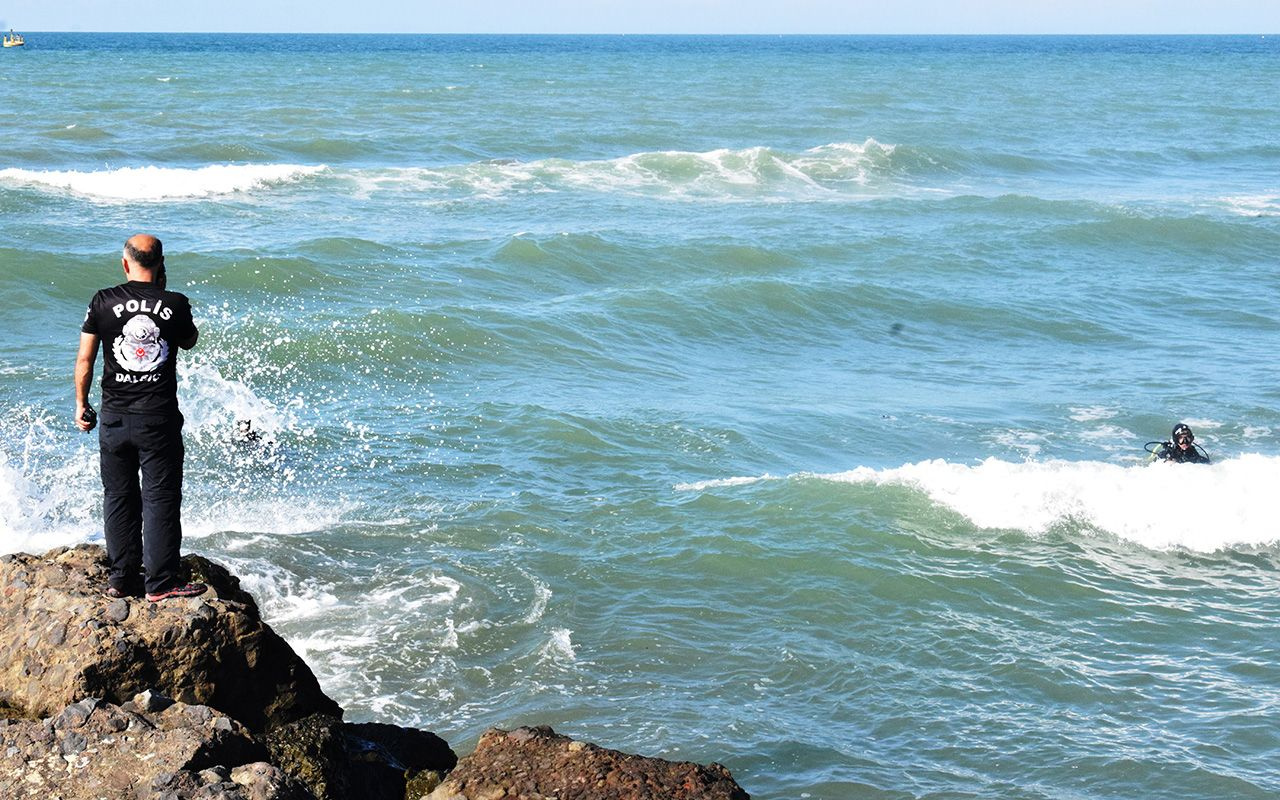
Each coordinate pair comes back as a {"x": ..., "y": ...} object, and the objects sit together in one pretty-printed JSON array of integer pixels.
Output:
[
  {"x": 1182, "y": 436},
  {"x": 143, "y": 258}
]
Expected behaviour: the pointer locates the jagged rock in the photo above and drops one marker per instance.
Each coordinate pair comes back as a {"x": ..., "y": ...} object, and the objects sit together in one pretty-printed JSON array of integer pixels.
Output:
[
  {"x": 92, "y": 749},
  {"x": 538, "y": 764},
  {"x": 372, "y": 761},
  {"x": 63, "y": 641}
]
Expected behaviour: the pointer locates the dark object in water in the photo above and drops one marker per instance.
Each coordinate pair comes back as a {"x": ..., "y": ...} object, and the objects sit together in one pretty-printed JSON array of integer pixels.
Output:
[
  {"x": 1185, "y": 451},
  {"x": 245, "y": 431}
]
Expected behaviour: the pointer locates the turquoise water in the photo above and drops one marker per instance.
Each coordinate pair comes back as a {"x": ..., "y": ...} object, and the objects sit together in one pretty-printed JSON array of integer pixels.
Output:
[{"x": 775, "y": 401}]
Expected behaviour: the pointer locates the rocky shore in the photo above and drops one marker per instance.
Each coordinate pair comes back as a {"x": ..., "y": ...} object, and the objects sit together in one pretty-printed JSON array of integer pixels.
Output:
[{"x": 199, "y": 699}]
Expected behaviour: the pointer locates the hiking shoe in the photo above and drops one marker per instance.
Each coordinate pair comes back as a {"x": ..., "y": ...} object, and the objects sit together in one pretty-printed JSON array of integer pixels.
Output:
[
  {"x": 181, "y": 590},
  {"x": 116, "y": 593}
]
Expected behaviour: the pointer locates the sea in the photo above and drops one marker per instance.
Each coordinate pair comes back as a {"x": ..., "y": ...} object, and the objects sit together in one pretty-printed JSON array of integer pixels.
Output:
[{"x": 774, "y": 401}]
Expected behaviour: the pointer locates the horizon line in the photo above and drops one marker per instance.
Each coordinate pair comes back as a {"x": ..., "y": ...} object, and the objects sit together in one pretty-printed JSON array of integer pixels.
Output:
[{"x": 1261, "y": 34}]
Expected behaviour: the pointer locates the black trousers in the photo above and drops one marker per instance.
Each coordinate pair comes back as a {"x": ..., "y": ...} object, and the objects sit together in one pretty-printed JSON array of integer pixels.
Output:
[{"x": 142, "y": 519}]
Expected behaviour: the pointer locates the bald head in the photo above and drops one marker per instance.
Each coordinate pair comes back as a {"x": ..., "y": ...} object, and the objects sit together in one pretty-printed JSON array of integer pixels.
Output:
[
  {"x": 145, "y": 251},
  {"x": 144, "y": 259}
]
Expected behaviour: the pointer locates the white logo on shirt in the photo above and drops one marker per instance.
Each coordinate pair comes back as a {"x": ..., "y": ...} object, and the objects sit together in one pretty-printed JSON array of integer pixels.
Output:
[{"x": 139, "y": 348}]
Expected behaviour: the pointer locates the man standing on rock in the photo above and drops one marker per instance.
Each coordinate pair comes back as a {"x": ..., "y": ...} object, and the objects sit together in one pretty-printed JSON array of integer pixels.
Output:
[{"x": 141, "y": 426}]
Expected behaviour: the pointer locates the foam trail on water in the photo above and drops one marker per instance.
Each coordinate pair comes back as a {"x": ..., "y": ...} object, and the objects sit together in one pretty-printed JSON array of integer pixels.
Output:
[{"x": 162, "y": 183}]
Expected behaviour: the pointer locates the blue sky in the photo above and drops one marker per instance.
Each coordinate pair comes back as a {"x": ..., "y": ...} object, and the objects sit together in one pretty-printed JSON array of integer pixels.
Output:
[{"x": 650, "y": 16}]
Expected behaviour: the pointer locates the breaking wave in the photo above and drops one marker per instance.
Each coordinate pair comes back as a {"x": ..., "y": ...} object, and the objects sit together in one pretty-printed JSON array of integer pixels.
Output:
[
  {"x": 162, "y": 183},
  {"x": 1230, "y": 503},
  {"x": 831, "y": 169}
]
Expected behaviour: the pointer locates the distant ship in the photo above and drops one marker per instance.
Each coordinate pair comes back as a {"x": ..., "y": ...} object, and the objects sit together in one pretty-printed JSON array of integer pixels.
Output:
[{"x": 14, "y": 39}]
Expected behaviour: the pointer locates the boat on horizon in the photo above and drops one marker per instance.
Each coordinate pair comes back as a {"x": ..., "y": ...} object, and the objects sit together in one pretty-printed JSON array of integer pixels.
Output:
[{"x": 14, "y": 39}]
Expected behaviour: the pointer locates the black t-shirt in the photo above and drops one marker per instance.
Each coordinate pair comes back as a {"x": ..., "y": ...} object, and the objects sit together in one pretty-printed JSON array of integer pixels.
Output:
[{"x": 139, "y": 325}]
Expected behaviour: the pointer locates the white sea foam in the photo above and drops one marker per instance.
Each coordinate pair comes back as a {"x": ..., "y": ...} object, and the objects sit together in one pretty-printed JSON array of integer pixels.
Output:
[
  {"x": 1231, "y": 502},
  {"x": 162, "y": 183},
  {"x": 1254, "y": 205},
  {"x": 1205, "y": 508},
  {"x": 51, "y": 491},
  {"x": 541, "y": 596},
  {"x": 282, "y": 594},
  {"x": 756, "y": 172},
  {"x": 1029, "y": 443},
  {"x": 36, "y": 515},
  {"x": 272, "y": 514},
  {"x": 559, "y": 647},
  {"x": 1092, "y": 413},
  {"x": 702, "y": 486}
]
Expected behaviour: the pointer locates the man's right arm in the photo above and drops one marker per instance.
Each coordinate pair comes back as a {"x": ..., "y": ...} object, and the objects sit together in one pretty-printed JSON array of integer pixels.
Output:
[
  {"x": 84, "y": 375},
  {"x": 189, "y": 342}
]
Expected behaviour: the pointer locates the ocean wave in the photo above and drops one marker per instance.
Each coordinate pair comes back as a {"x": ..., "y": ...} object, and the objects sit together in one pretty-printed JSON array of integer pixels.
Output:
[
  {"x": 1230, "y": 503},
  {"x": 162, "y": 183},
  {"x": 831, "y": 169},
  {"x": 1182, "y": 230},
  {"x": 79, "y": 133}
]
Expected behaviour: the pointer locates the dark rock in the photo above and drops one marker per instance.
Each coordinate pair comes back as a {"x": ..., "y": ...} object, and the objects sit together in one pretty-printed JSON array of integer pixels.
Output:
[
  {"x": 212, "y": 650},
  {"x": 75, "y": 715},
  {"x": 384, "y": 758},
  {"x": 118, "y": 610},
  {"x": 313, "y": 752},
  {"x": 373, "y": 761},
  {"x": 73, "y": 743},
  {"x": 537, "y": 763},
  {"x": 406, "y": 749}
]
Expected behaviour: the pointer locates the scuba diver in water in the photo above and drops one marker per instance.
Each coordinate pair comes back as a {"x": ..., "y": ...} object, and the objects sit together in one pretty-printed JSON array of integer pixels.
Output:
[{"x": 1182, "y": 449}]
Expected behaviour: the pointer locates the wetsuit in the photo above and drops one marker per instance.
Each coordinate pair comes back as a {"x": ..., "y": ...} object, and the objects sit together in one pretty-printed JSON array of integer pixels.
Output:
[
  {"x": 1168, "y": 451},
  {"x": 139, "y": 326}
]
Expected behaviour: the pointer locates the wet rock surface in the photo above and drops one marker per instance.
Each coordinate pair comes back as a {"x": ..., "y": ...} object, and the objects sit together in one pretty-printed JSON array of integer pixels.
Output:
[{"x": 539, "y": 764}]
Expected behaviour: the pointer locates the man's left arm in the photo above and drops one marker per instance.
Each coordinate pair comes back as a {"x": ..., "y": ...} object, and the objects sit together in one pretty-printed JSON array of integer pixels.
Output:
[{"x": 84, "y": 376}]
